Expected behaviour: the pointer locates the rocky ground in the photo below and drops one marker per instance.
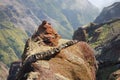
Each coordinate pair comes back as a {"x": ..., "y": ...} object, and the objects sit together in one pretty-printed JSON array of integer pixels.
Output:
[{"x": 3, "y": 71}]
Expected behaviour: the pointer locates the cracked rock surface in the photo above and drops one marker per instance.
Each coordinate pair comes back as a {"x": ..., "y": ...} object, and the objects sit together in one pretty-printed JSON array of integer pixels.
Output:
[{"x": 76, "y": 62}]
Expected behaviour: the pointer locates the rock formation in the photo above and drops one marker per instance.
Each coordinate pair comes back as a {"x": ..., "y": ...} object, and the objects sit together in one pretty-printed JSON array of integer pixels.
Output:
[
  {"x": 14, "y": 68},
  {"x": 105, "y": 39},
  {"x": 79, "y": 35},
  {"x": 47, "y": 34},
  {"x": 69, "y": 60},
  {"x": 75, "y": 62}
]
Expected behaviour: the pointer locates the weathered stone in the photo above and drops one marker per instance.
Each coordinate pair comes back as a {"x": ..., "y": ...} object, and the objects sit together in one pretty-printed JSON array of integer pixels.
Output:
[
  {"x": 59, "y": 59},
  {"x": 14, "y": 69},
  {"x": 79, "y": 34},
  {"x": 46, "y": 34},
  {"x": 76, "y": 62}
]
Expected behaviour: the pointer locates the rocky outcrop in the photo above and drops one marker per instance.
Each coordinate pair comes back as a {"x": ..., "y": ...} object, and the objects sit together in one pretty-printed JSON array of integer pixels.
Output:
[
  {"x": 3, "y": 71},
  {"x": 110, "y": 50},
  {"x": 108, "y": 13},
  {"x": 47, "y": 34},
  {"x": 82, "y": 33},
  {"x": 68, "y": 60},
  {"x": 105, "y": 39},
  {"x": 79, "y": 34},
  {"x": 75, "y": 62}
]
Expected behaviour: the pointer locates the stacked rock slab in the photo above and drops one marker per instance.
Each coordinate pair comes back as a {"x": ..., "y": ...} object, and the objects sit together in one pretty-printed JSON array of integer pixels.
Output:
[{"x": 68, "y": 60}]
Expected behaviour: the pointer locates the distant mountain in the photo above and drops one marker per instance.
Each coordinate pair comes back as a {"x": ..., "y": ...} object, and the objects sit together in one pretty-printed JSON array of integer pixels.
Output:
[
  {"x": 64, "y": 15},
  {"x": 108, "y": 13},
  {"x": 18, "y": 17}
]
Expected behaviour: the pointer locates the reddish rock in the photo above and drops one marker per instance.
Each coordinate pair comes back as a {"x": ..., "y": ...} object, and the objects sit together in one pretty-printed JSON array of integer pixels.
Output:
[
  {"x": 48, "y": 35},
  {"x": 76, "y": 62}
]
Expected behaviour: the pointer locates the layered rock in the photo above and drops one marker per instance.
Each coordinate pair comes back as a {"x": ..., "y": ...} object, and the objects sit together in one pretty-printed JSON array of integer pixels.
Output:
[
  {"x": 72, "y": 63},
  {"x": 68, "y": 60}
]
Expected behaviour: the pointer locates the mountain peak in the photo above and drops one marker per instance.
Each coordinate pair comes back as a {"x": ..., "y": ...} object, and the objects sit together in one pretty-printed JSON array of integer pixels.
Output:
[{"x": 108, "y": 13}]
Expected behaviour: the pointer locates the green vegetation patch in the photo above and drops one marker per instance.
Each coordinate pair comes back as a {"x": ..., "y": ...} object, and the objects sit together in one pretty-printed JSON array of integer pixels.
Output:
[{"x": 12, "y": 42}]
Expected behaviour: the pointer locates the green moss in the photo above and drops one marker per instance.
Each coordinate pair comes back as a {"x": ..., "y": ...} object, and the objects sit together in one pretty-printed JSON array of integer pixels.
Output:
[
  {"x": 102, "y": 36},
  {"x": 107, "y": 31}
]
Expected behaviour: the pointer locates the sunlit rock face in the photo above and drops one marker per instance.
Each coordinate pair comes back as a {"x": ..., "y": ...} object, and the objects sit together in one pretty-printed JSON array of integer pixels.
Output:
[{"x": 72, "y": 63}]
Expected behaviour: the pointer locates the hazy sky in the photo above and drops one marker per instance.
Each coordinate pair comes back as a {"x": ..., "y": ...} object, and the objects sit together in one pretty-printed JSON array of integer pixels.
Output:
[{"x": 103, "y": 3}]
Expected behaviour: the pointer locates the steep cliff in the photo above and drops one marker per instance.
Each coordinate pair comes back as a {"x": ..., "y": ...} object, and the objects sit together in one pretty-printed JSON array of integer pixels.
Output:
[
  {"x": 108, "y": 13},
  {"x": 105, "y": 39}
]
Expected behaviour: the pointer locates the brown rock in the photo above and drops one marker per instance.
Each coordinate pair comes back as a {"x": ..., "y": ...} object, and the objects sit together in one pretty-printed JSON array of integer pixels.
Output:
[
  {"x": 75, "y": 62},
  {"x": 47, "y": 34},
  {"x": 79, "y": 34}
]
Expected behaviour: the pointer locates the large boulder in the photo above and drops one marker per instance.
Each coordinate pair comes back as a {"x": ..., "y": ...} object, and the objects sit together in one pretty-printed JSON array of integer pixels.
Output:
[{"x": 76, "y": 62}]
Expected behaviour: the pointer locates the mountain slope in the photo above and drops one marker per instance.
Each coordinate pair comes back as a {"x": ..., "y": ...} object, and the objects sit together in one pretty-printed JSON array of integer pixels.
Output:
[
  {"x": 105, "y": 39},
  {"x": 28, "y": 14},
  {"x": 11, "y": 42},
  {"x": 108, "y": 13}
]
